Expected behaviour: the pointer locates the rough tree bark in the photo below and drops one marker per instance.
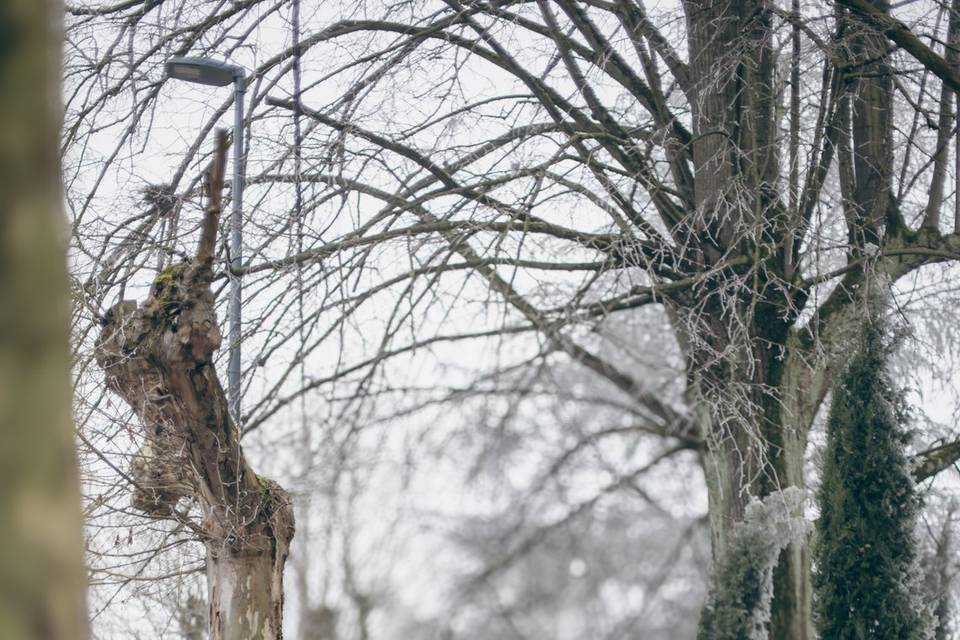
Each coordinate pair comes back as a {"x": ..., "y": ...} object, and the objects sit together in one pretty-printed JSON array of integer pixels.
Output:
[
  {"x": 42, "y": 577},
  {"x": 158, "y": 357},
  {"x": 737, "y": 368},
  {"x": 754, "y": 384}
]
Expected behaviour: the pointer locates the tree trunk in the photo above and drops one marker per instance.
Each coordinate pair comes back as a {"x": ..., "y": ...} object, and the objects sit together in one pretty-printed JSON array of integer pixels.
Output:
[
  {"x": 158, "y": 357},
  {"x": 728, "y": 487},
  {"x": 734, "y": 475},
  {"x": 742, "y": 389},
  {"x": 791, "y": 616},
  {"x": 245, "y": 595},
  {"x": 42, "y": 577}
]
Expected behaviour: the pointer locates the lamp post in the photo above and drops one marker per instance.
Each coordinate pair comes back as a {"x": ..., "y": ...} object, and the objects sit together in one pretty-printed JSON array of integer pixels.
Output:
[{"x": 220, "y": 74}]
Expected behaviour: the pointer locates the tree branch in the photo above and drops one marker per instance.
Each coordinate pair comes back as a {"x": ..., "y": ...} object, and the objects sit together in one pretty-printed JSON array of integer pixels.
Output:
[
  {"x": 934, "y": 460},
  {"x": 901, "y": 35}
]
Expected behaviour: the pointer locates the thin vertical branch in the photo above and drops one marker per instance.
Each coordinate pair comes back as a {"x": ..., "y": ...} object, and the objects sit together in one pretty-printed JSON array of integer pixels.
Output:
[
  {"x": 302, "y": 564},
  {"x": 931, "y": 216},
  {"x": 794, "y": 186},
  {"x": 214, "y": 191}
]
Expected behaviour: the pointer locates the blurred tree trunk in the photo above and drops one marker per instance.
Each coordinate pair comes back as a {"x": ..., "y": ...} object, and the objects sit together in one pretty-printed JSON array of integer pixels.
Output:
[
  {"x": 939, "y": 571},
  {"x": 42, "y": 576}
]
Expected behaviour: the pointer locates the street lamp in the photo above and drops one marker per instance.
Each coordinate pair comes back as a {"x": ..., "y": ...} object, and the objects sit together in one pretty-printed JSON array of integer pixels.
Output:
[{"x": 220, "y": 74}]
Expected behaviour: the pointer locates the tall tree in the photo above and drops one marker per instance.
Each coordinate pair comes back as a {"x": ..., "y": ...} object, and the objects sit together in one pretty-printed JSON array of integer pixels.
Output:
[
  {"x": 867, "y": 575},
  {"x": 42, "y": 574}
]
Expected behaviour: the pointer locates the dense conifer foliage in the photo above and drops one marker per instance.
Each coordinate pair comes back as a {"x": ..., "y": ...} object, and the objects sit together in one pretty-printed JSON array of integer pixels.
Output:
[{"x": 865, "y": 552}]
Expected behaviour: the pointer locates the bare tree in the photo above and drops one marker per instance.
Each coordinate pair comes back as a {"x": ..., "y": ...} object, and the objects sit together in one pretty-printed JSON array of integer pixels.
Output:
[
  {"x": 531, "y": 177},
  {"x": 42, "y": 576}
]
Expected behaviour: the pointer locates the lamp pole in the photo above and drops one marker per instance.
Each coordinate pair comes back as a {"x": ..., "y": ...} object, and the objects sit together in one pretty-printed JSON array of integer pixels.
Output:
[
  {"x": 212, "y": 72},
  {"x": 236, "y": 247}
]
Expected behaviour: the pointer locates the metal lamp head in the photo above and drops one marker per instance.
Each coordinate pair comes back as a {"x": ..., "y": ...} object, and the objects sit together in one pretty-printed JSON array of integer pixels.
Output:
[{"x": 202, "y": 71}]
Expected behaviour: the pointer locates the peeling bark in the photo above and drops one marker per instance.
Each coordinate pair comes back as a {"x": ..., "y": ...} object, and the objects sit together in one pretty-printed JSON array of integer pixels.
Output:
[{"x": 240, "y": 606}]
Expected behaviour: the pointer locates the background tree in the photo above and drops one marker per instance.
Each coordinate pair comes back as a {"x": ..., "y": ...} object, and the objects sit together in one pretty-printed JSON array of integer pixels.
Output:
[
  {"x": 42, "y": 575},
  {"x": 587, "y": 253},
  {"x": 940, "y": 569},
  {"x": 867, "y": 574}
]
